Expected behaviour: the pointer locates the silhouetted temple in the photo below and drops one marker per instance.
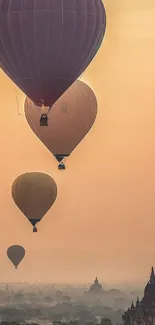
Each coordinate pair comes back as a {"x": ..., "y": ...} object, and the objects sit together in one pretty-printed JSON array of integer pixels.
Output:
[
  {"x": 96, "y": 288},
  {"x": 143, "y": 313}
]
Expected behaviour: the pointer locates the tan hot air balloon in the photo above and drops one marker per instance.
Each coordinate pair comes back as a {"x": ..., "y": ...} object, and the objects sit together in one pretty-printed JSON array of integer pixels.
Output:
[
  {"x": 15, "y": 254},
  {"x": 34, "y": 193},
  {"x": 69, "y": 121}
]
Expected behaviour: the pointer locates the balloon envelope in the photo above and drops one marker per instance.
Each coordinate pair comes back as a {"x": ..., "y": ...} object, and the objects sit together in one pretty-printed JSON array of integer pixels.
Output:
[
  {"x": 70, "y": 120},
  {"x": 34, "y": 193},
  {"x": 16, "y": 253},
  {"x": 96, "y": 47},
  {"x": 47, "y": 44}
]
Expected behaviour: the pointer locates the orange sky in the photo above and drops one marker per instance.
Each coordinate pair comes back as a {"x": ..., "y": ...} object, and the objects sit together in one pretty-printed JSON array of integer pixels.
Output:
[{"x": 103, "y": 222}]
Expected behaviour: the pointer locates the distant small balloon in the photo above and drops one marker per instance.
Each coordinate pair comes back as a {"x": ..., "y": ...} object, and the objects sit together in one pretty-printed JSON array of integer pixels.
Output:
[
  {"x": 16, "y": 253},
  {"x": 34, "y": 193},
  {"x": 69, "y": 121}
]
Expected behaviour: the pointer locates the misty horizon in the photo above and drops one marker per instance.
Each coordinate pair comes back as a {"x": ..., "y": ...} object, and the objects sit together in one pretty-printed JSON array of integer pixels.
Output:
[{"x": 126, "y": 286}]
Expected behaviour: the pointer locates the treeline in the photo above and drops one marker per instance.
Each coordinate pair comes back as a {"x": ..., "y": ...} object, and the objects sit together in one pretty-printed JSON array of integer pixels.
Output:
[
  {"x": 16, "y": 323},
  {"x": 104, "y": 321}
]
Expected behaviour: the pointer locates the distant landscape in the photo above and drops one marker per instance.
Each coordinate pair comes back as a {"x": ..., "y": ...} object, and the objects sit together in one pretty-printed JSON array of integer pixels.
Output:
[{"x": 22, "y": 303}]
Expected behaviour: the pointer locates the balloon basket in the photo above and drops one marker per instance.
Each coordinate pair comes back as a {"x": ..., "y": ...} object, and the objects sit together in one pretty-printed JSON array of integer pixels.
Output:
[
  {"x": 16, "y": 267},
  {"x": 44, "y": 120},
  {"x": 35, "y": 229},
  {"x": 61, "y": 166}
]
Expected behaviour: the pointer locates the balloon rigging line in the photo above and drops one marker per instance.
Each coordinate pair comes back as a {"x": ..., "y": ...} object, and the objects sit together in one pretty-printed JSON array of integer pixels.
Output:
[{"x": 17, "y": 102}]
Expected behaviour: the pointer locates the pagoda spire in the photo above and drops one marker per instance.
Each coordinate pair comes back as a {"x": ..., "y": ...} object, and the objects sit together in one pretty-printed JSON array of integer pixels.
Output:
[
  {"x": 152, "y": 276},
  {"x": 137, "y": 303},
  {"x": 96, "y": 280}
]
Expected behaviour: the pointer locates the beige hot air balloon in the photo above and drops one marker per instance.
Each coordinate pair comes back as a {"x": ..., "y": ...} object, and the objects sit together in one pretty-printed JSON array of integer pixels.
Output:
[
  {"x": 15, "y": 254},
  {"x": 34, "y": 193},
  {"x": 69, "y": 120}
]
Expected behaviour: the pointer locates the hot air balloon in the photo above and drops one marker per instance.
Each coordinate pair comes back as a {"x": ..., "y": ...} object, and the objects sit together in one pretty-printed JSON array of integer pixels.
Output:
[
  {"x": 16, "y": 253},
  {"x": 34, "y": 193},
  {"x": 70, "y": 120},
  {"x": 45, "y": 45}
]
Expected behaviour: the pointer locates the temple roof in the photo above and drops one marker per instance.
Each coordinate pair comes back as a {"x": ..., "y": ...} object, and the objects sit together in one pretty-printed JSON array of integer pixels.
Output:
[
  {"x": 147, "y": 304},
  {"x": 95, "y": 287},
  {"x": 149, "y": 292}
]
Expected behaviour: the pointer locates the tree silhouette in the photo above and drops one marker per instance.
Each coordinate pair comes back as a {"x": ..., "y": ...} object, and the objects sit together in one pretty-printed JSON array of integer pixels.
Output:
[{"x": 106, "y": 321}]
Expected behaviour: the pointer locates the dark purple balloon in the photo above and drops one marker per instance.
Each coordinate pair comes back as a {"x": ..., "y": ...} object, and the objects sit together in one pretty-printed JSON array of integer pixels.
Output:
[{"x": 46, "y": 44}]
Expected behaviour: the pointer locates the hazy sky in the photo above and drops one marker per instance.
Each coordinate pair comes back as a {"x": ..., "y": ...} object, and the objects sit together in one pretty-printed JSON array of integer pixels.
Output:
[{"x": 103, "y": 222}]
